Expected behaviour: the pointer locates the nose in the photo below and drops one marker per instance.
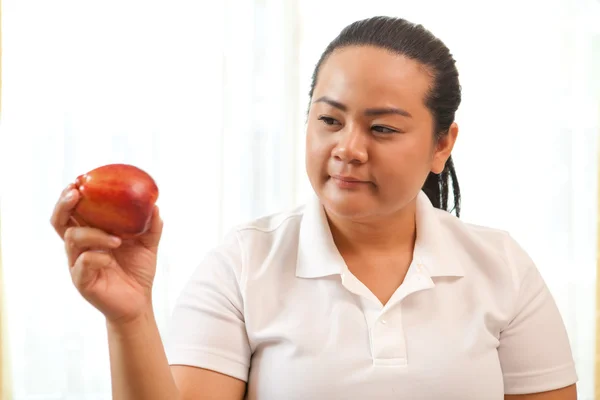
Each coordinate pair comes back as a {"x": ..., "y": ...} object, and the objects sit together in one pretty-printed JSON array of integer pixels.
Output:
[{"x": 351, "y": 148}]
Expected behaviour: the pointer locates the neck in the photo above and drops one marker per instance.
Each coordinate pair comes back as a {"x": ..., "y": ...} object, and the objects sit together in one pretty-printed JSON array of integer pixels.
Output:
[{"x": 382, "y": 234}]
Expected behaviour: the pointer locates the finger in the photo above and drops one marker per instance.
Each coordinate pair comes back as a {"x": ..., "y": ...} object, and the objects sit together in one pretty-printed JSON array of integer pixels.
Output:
[
  {"x": 81, "y": 239},
  {"x": 87, "y": 267},
  {"x": 63, "y": 208},
  {"x": 151, "y": 238},
  {"x": 156, "y": 225}
]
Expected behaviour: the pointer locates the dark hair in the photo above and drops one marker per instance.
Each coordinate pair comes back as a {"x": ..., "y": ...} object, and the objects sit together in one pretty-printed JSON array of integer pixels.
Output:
[{"x": 415, "y": 42}]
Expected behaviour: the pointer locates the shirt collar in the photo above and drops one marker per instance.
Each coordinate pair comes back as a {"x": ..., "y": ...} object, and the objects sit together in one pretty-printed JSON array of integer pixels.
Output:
[
  {"x": 318, "y": 256},
  {"x": 437, "y": 248}
]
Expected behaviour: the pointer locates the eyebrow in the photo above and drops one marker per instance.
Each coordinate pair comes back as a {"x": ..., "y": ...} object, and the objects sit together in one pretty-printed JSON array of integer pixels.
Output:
[{"x": 369, "y": 111}]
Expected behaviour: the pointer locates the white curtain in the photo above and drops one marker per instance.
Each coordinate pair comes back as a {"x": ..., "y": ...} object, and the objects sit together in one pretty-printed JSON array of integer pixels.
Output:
[
  {"x": 196, "y": 93},
  {"x": 210, "y": 98}
]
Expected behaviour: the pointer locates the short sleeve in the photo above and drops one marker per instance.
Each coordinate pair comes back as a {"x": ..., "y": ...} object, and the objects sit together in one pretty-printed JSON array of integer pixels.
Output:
[
  {"x": 207, "y": 328},
  {"x": 534, "y": 350}
]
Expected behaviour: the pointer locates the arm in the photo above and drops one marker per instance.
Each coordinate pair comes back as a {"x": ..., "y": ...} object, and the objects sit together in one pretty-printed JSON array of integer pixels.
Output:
[
  {"x": 140, "y": 370},
  {"x": 567, "y": 393},
  {"x": 197, "y": 383},
  {"x": 138, "y": 364}
]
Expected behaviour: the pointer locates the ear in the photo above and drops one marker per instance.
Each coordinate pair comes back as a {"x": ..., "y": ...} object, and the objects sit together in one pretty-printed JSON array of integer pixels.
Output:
[{"x": 443, "y": 149}]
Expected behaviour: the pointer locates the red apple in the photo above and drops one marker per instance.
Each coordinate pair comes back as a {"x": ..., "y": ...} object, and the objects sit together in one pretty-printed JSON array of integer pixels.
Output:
[{"x": 116, "y": 198}]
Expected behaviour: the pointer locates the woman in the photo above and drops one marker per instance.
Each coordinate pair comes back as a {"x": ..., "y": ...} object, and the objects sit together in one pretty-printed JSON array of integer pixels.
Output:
[{"x": 372, "y": 290}]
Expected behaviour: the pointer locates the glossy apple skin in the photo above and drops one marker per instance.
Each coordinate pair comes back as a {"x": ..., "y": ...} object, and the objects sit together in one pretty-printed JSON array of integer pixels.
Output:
[{"x": 116, "y": 198}]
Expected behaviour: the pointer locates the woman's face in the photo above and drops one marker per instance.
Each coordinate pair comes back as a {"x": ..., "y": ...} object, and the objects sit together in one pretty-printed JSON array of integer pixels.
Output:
[{"x": 370, "y": 142}]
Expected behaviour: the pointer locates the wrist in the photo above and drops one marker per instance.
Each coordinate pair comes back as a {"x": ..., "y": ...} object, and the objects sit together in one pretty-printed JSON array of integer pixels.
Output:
[{"x": 131, "y": 325}]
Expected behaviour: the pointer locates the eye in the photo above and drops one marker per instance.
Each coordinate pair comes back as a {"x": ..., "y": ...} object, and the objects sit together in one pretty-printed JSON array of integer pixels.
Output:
[
  {"x": 328, "y": 120},
  {"x": 383, "y": 129}
]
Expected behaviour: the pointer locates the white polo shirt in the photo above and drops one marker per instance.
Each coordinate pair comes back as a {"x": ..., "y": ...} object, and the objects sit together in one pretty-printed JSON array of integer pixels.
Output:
[{"x": 276, "y": 306}]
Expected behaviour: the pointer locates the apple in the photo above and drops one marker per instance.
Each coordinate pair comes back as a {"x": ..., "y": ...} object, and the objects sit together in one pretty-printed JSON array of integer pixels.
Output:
[{"x": 116, "y": 198}]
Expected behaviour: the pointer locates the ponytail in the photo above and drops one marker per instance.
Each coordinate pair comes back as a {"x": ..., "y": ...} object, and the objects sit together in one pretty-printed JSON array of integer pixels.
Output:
[{"x": 436, "y": 187}]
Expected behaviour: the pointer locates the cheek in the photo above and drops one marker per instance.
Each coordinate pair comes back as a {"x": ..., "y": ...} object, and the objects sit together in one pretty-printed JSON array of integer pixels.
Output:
[
  {"x": 419, "y": 151},
  {"x": 407, "y": 162},
  {"x": 317, "y": 152},
  {"x": 316, "y": 143}
]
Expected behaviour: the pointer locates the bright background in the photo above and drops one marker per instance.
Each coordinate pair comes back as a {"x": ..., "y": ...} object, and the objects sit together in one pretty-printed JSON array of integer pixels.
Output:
[{"x": 209, "y": 98}]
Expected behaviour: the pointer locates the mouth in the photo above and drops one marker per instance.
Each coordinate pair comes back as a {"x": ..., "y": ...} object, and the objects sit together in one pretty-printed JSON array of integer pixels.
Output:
[
  {"x": 348, "y": 179},
  {"x": 348, "y": 182}
]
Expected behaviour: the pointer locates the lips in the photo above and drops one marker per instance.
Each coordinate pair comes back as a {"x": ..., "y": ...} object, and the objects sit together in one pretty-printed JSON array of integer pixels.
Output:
[
  {"x": 349, "y": 179},
  {"x": 351, "y": 183}
]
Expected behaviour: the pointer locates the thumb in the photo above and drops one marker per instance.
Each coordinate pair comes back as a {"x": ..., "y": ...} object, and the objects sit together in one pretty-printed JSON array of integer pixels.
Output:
[{"x": 151, "y": 238}]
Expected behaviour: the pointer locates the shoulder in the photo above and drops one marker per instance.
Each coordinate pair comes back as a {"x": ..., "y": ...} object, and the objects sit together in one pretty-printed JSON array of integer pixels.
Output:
[
  {"x": 270, "y": 230},
  {"x": 257, "y": 238},
  {"x": 486, "y": 249},
  {"x": 270, "y": 224},
  {"x": 224, "y": 269},
  {"x": 498, "y": 273}
]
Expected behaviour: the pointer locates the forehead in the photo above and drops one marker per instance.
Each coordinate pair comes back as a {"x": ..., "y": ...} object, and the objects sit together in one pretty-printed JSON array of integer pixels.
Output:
[{"x": 372, "y": 75}]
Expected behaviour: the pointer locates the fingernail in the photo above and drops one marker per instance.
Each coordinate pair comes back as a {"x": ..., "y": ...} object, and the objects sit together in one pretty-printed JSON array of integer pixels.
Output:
[
  {"x": 115, "y": 240},
  {"x": 70, "y": 196}
]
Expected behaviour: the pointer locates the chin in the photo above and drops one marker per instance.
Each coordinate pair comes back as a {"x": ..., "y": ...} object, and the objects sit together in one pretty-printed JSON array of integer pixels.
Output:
[
  {"x": 353, "y": 206},
  {"x": 348, "y": 213}
]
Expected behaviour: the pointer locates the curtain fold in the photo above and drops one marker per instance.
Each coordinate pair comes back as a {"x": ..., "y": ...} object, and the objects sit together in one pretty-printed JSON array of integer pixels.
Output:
[
  {"x": 5, "y": 384},
  {"x": 5, "y": 393},
  {"x": 596, "y": 87},
  {"x": 597, "y": 350}
]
